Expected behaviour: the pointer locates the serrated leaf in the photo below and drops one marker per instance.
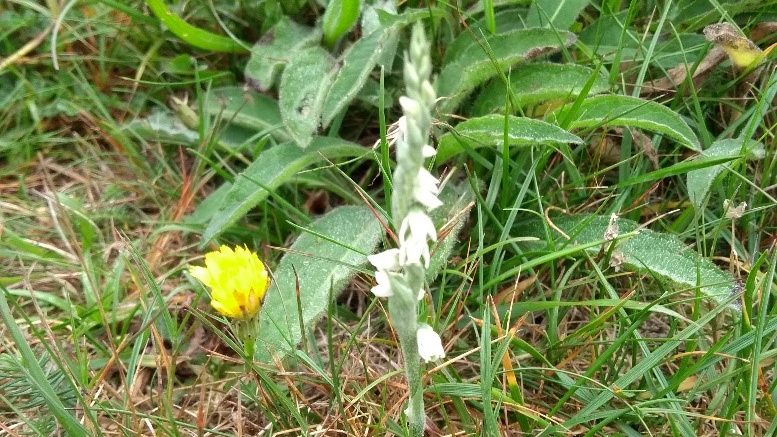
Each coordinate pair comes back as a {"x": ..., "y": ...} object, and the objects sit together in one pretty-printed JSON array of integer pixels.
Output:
[
  {"x": 556, "y": 14},
  {"x": 304, "y": 85},
  {"x": 324, "y": 259},
  {"x": 662, "y": 254},
  {"x": 247, "y": 109},
  {"x": 271, "y": 169},
  {"x": 489, "y": 131},
  {"x": 355, "y": 67},
  {"x": 537, "y": 82},
  {"x": 617, "y": 110},
  {"x": 275, "y": 49},
  {"x": 473, "y": 65},
  {"x": 700, "y": 181}
]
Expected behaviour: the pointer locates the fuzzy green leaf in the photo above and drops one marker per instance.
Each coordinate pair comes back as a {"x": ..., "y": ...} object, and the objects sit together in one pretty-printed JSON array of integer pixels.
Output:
[
  {"x": 163, "y": 126},
  {"x": 276, "y": 49},
  {"x": 355, "y": 67},
  {"x": 370, "y": 22},
  {"x": 323, "y": 260},
  {"x": 662, "y": 254},
  {"x": 700, "y": 181},
  {"x": 489, "y": 131},
  {"x": 615, "y": 110},
  {"x": 247, "y": 109},
  {"x": 473, "y": 65},
  {"x": 556, "y": 14},
  {"x": 204, "y": 212},
  {"x": 304, "y": 85},
  {"x": 538, "y": 82},
  {"x": 271, "y": 169}
]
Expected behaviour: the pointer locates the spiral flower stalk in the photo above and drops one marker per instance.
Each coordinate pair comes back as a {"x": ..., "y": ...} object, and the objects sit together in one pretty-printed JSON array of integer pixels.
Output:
[{"x": 401, "y": 271}]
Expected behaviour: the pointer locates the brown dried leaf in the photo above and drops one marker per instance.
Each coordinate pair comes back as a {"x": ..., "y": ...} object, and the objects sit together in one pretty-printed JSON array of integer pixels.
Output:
[
  {"x": 764, "y": 30},
  {"x": 677, "y": 75}
]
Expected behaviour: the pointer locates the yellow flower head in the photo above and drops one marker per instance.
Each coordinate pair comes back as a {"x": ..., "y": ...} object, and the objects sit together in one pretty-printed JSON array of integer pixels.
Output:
[{"x": 237, "y": 280}]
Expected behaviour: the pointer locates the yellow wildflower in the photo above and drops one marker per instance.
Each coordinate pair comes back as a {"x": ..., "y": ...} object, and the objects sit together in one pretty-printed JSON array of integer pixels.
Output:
[{"x": 237, "y": 279}]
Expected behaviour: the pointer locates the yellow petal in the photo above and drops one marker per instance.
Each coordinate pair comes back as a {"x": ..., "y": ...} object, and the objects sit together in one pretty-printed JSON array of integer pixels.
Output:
[
  {"x": 237, "y": 279},
  {"x": 202, "y": 274},
  {"x": 228, "y": 309}
]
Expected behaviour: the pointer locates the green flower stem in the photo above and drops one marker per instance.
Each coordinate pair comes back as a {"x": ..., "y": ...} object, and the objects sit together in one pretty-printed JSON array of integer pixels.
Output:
[
  {"x": 402, "y": 309},
  {"x": 246, "y": 330},
  {"x": 403, "y": 305}
]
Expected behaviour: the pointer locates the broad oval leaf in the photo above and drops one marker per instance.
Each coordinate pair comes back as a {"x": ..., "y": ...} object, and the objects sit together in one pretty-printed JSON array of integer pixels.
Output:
[
  {"x": 616, "y": 110},
  {"x": 370, "y": 22},
  {"x": 247, "y": 109},
  {"x": 163, "y": 126},
  {"x": 355, "y": 67},
  {"x": 271, "y": 169},
  {"x": 204, "y": 212},
  {"x": 700, "y": 181},
  {"x": 475, "y": 64},
  {"x": 489, "y": 130},
  {"x": 556, "y": 14},
  {"x": 538, "y": 82},
  {"x": 323, "y": 260},
  {"x": 304, "y": 85},
  {"x": 275, "y": 49},
  {"x": 607, "y": 37},
  {"x": 662, "y": 254}
]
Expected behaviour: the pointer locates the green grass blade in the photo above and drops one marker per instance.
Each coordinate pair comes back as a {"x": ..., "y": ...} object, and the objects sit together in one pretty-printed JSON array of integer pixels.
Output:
[
  {"x": 37, "y": 377},
  {"x": 193, "y": 35}
]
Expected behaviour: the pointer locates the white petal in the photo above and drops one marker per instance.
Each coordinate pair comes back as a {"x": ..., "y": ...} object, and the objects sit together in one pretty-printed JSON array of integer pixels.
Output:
[
  {"x": 387, "y": 260},
  {"x": 426, "y": 190},
  {"x": 428, "y": 151},
  {"x": 409, "y": 106},
  {"x": 428, "y": 199},
  {"x": 422, "y": 292},
  {"x": 427, "y": 90},
  {"x": 397, "y": 130},
  {"x": 427, "y": 181},
  {"x": 415, "y": 232},
  {"x": 414, "y": 252},
  {"x": 417, "y": 225},
  {"x": 429, "y": 344},
  {"x": 383, "y": 288}
]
